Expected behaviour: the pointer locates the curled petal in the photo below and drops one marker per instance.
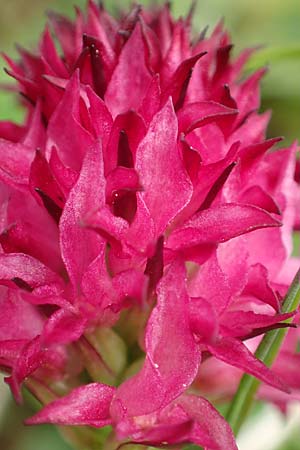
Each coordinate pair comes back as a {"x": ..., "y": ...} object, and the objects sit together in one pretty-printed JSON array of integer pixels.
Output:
[
  {"x": 234, "y": 352},
  {"x": 195, "y": 115},
  {"x": 219, "y": 224},
  {"x": 207, "y": 420},
  {"x": 86, "y": 405},
  {"x": 18, "y": 267},
  {"x": 63, "y": 327}
]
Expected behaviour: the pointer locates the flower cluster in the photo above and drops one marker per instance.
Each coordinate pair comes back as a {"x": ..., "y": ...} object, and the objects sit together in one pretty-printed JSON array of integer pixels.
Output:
[{"x": 146, "y": 228}]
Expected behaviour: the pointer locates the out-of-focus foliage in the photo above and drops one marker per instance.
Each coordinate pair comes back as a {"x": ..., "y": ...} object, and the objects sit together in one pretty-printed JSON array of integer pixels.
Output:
[
  {"x": 292, "y": 443},
  {"x": 271, "y": 23},
  {"x": 14, "y": 436}
]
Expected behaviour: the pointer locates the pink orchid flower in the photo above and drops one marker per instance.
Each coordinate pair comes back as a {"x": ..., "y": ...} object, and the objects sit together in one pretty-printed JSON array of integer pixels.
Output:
[{"x": 146, "y": 226}]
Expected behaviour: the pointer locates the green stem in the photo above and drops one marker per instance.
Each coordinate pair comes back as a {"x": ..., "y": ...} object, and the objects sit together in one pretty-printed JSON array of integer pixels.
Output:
[{"x": 266, "y": 352}]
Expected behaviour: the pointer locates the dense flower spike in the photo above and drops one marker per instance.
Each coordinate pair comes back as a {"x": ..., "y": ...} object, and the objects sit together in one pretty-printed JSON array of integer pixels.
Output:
[{"x": 146, "y": 229}]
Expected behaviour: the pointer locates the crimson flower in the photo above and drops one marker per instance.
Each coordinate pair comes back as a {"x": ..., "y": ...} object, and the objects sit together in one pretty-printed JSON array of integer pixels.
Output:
[{"x": 146, "y": 226}]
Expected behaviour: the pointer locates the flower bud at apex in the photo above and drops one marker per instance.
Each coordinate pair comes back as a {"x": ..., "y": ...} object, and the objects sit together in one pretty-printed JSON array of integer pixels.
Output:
[{"x": 148, "y": 237}]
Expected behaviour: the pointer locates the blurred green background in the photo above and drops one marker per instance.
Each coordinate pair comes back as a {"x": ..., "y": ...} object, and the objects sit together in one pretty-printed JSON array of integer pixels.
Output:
[{"x": 273, "y": 23}]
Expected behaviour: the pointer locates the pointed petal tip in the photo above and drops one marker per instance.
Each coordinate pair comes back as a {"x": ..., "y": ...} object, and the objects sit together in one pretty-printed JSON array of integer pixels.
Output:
[{"x": 85, "y": 405}]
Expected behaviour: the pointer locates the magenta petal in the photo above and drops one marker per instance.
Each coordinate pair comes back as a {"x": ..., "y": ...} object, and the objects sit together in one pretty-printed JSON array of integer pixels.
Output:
[
  {"x": 97, "y": 108},
  {"x": 96, "y": 28},
  {"x": 161, "y": 169},
  {"x": 15, "y": 160},
  {"x": 219, "y": 224},
  {"x": 79, "y": 246},
  {"x": 189, "y": 419},
  {"x": 130, "y": 77},
  {"x": 36, "y": 134},
  {"x": 108, "y": 226},
  {"x": 98, "y": 290},
  {"x": 46, "y": 295},
  {"x": 44, "y": 186},
  {"x": 170, "y": 426},
  {"x": 130, "y": 285},
  {"x": 150, "y": 104},
  {"x": 198, "y": 253},
  {"x": 142, "y": 227},
  {"x": 235, "y": 353},
  {"x": 42, "y": 178},
  {"x": 235, "y": 270},
  {"x": 11, "y": 131},
  {"x": 127, "y": 132},
  {"x": 86, "y": 405},
  {"x": 10, "y": 350},
  {"x": 153, "y": 53},
  {"x": 247, "y": 95},
  {"x": 259, "y": 287},
  {"x": 96, "y": 62},
  {"x": 65, "y": 131},
  {"x": 18, "y": 268},
  {"x": 28, "y": 86},
  {"x": 164, "y": 340},
  {"x": 105, "y": 295},
  {"x": 69, "y": 40},
  {"x": 172, "y": 354},
  {"x": 253, "y": 129},
  {"x": 272, "y": 247},
  {"x": 50, "y": 55},
  {"x": 31, "y": 231},
  {"x": 209, "y": 421},
  {"x": 63, "y": 327},
  {"x": 242, "y": 323},
  {"x": 18, "y": 319},
  {"x": 209, "y": 180},
  {"x": 192, "y": 159},
  {"x": 30, "y": 359},
  {"x": 121, "y": 178},
  {"x": 257, "y": 196},
  {"x": 155, "y": 264},
  {"x": 195, "y": 115},
  {"x": 203, "y": 319},
  {"x": 65, "y": 176},
  {"x": 252, "y": 154},
  {"x": 177, "y": 84},
  {"x": 212, "y": 284}
]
